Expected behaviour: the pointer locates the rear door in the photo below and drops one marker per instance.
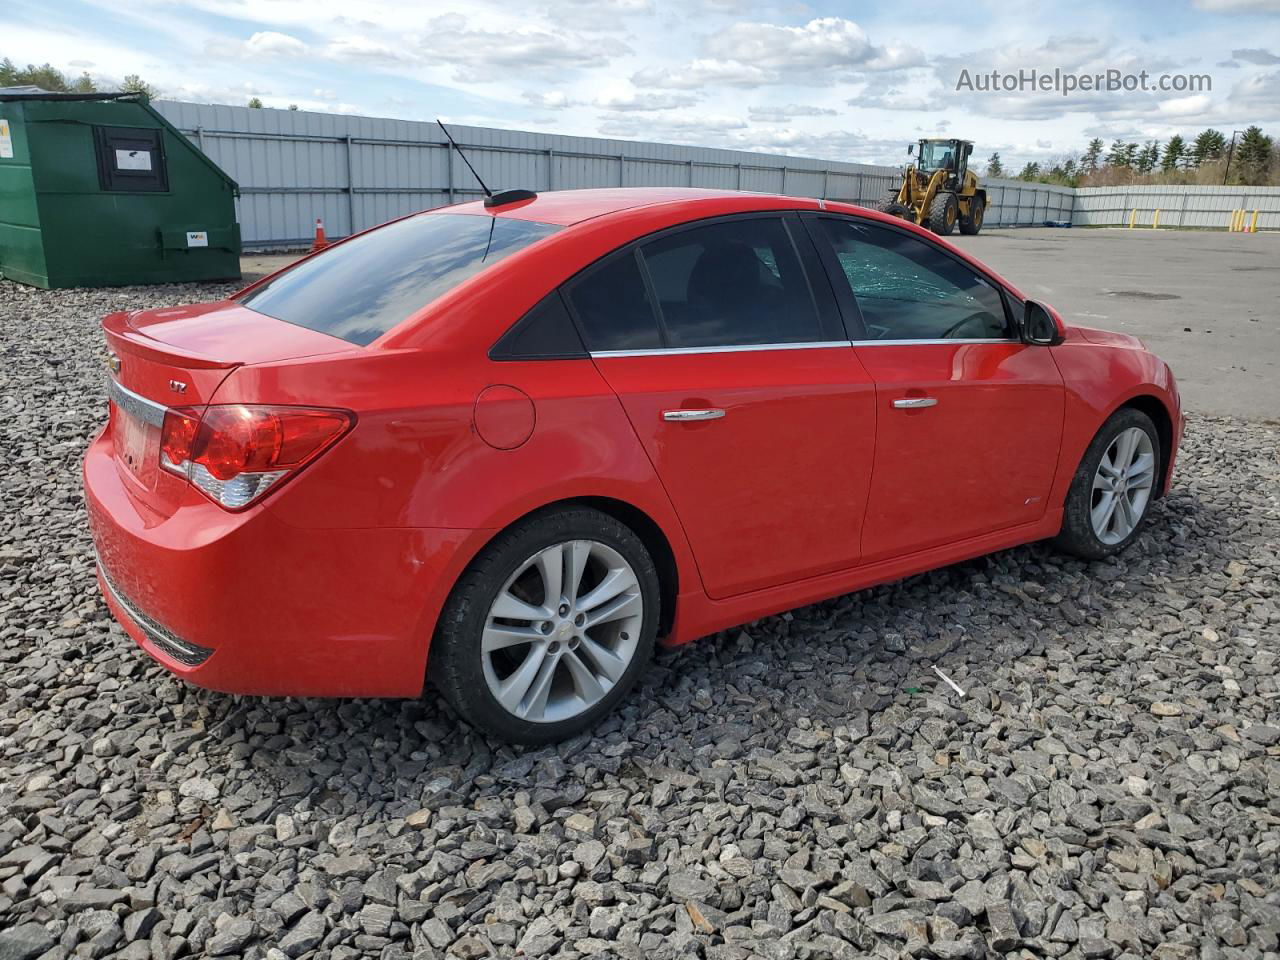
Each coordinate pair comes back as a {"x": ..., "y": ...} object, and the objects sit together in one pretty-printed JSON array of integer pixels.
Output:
[
  {"x": 970, "y": 418},
  {"x": 723, "y": 343}
]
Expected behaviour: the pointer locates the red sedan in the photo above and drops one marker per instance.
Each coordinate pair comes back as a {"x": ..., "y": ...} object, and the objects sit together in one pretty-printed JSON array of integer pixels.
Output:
[{"x": 509, "y": 446}]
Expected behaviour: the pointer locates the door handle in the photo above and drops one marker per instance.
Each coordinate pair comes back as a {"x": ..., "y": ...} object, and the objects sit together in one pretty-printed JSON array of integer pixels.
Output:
[
  {"x": 915, "y": 403},
  {"x": 682, "y": 415}
]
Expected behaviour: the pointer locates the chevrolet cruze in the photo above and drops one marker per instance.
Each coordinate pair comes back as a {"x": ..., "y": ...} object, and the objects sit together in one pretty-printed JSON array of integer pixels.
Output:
[{"x": 508, "y": 446}]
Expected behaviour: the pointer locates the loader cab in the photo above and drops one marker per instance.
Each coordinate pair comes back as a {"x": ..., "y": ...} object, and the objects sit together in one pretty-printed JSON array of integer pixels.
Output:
[{"x": 953, "y": 155}]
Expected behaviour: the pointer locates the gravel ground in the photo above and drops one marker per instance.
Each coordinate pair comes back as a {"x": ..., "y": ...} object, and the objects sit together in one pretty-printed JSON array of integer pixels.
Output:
[{"x": 806, "y": 786}]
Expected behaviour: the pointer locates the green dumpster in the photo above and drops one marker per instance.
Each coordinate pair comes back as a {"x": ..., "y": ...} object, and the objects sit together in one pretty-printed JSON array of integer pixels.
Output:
[{"x": 100, "y": 190}]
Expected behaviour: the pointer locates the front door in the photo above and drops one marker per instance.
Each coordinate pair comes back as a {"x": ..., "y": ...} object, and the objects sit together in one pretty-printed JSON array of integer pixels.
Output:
[
  {"x": 738, "y": 381},
  {"x": 970, "y": 418}
]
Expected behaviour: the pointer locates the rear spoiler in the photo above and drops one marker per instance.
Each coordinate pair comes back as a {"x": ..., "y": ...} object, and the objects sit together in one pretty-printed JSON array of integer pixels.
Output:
[{"x": 122, "y": 336}]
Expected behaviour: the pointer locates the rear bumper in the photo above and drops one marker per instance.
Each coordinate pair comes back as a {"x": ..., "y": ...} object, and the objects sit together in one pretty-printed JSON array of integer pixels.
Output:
[{"x": 244, "y": 603}]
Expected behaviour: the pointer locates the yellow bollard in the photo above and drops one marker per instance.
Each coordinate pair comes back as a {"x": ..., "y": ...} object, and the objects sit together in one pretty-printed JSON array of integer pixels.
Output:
[
  {"x": 1155, "y": 221},
  {"x": 1132, "y": 217},
  {"x": 1235, "y": 216},
  {"x": 1253, "y": 227}
]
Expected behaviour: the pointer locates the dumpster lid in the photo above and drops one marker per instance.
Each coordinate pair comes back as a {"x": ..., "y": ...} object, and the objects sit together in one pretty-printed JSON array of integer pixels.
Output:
[{"x": 29, "y": 92}]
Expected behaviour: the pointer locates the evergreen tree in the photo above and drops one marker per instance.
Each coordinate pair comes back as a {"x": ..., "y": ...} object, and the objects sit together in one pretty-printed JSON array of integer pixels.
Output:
[
  {"x": 1209, "y": 145},
  {"x": 255, "y": 103},
  {"x": 1092, "y": 157},
  {"x": 994, "y": 167},
  {"x": 1030, "y": 172},
  {"x": 1253, "y": 157},
  {"x": 135, "y": 84},
  {"x": 1119, "y": 153},
  {"x": 1174, "y": 152},
  {"x": 46, "y": 77},
  {"x": 1148, "y": 157}
]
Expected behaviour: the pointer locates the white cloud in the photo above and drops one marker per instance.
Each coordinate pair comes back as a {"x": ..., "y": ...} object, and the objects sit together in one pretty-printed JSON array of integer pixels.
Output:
[
  {"x": 263, "y": 45},
  {"x": 550, "y": 99},
  {"x": 1259, "y": 96},
  {"x": 635, "y": 101},
  {"x": 827, "y": 43},
  {"x": 699, "y": 74},
  {"x": 1255, "y": 55},
  {"x": 1239, "y": 6},
  {"x": 788, "y": 112}
]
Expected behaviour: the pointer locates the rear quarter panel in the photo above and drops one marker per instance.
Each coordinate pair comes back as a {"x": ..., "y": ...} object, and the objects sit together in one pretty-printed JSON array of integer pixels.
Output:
[{"x": 414, "y": 458}]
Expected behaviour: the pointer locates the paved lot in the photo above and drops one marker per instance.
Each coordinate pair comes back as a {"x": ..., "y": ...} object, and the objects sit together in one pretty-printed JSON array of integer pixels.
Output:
[
  {"x": 1207, "y": 302},
  {"x": 806, "y": 786}
]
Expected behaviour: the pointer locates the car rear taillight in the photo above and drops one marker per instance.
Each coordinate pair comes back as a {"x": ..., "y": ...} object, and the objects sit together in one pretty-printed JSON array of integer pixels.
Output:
[{"x": 235, "y": 453}]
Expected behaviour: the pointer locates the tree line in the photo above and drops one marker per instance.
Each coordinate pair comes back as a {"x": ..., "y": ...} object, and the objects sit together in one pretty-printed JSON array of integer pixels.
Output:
[
  {"x": 1250, "y": 158},
  {"x": 48, "y": 77}
]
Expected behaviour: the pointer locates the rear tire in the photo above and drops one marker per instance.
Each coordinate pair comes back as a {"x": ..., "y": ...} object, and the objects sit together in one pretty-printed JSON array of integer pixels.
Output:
[
  {"x": 1114, "y": 487},
  {"x": 942, "y": 214},
  {"x": 971, "y": 224},
  {"x": 532, "y": 668}
]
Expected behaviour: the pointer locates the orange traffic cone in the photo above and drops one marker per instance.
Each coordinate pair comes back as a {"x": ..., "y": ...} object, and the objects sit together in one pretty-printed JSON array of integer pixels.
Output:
[{"x": 320, "y": 241}]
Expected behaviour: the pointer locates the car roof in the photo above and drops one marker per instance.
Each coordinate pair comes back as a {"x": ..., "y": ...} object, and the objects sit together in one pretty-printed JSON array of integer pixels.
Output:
[{"x": 567, "y": 207}]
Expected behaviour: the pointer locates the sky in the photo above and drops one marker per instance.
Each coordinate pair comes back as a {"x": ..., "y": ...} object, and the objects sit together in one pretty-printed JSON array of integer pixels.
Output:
[{"x": 841, "y": 81}]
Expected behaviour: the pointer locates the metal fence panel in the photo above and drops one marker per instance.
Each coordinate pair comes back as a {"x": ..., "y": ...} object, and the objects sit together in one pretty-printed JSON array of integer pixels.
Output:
[
  {"x": 1203, "y": 207},
  {"x": 355, "y": 172}
]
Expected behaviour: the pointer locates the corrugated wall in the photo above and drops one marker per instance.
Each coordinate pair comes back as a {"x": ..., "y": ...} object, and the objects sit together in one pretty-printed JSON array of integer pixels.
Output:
[
  {"x": 1203, "y": 207},
  {"x": 356, "y": 172}
]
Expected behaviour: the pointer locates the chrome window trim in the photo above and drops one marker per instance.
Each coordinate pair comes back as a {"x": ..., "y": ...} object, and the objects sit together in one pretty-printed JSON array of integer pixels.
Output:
[
  {"x": 817, "y": 345},
  {"x": 136, "y": 405},
  {"x": 908, "y": 343},
  {"x": 735, "y": 348}
]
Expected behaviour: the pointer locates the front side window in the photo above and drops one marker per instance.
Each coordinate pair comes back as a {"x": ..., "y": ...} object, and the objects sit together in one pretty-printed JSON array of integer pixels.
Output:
[
  {"x": 360, "y": 289},
  {"x": 906, "y": 290},
  {"x": 734, "y": 283}
]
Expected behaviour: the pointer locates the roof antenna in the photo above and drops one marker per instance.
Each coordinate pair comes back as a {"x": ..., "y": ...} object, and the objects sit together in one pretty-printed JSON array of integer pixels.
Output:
[{"x": 491, "y": 199}]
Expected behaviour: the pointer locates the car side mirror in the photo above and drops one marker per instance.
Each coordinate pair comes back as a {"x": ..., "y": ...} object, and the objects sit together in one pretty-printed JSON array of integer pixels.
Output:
[{"x": 1040, "y": 325}]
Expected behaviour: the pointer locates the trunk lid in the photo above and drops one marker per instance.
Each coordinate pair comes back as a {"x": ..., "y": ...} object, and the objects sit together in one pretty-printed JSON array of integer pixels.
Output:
[{"x": 178, "y": 357}]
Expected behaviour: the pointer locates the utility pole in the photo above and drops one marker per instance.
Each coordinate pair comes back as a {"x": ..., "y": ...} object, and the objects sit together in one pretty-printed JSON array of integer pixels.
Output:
[{"x": 1230, "y": 150}]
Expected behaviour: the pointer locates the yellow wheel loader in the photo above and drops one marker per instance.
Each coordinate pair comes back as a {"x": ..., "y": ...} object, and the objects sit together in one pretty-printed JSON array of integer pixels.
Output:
[{"x": 939, "y": 190}]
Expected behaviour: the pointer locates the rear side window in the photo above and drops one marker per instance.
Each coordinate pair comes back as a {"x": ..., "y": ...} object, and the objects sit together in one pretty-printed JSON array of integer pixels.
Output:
[
  {"x": 734, "y": 283},
  {"x": 906, "y": 290},
  {"x": 613, "y": 307},
  {"x": 362, "y": 288}
]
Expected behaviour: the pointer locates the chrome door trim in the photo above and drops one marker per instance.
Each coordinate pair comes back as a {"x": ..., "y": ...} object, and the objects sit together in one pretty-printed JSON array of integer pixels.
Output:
[
  {"x": 911, "y": 343},
  {"x": 915, "y": 403},
  {"x": 686, "y": 416},
  {"x": 746, "y": 348},
  {"x": 756, "y": 347},
  {"x": 135, "y": 404}
]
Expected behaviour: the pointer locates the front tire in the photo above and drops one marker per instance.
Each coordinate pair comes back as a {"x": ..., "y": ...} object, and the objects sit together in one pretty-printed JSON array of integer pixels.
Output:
[
  {"x": 942, "y": 214},
  {"x": 1114, "y": 486},
  {"x": 549, "y": 627}
]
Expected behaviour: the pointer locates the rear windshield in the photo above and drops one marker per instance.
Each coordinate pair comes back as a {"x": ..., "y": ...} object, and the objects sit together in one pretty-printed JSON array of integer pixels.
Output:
[{"x": 362, "y": 288}]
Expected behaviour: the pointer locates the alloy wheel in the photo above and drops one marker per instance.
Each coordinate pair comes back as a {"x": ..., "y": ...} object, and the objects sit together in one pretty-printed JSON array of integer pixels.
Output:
[
  {"x": 1122, "y": 485},
  {"x": 562, "y": 631}
]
